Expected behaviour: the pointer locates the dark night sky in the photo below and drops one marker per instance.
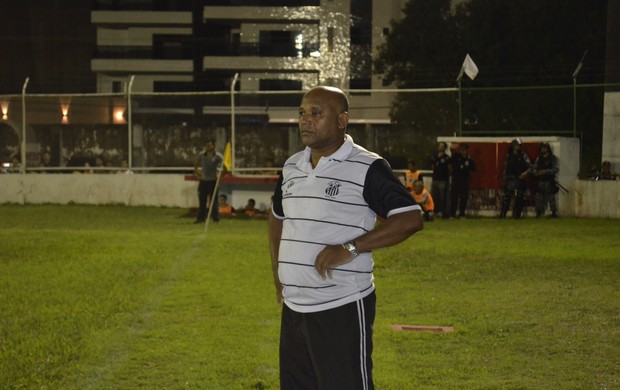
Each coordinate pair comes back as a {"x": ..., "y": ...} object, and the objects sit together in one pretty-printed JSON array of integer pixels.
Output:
[{"x": 51, "y": 42}]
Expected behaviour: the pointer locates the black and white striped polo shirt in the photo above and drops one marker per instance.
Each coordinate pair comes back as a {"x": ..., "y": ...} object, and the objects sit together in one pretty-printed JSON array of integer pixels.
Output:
[{"x": 335, "y": 202}]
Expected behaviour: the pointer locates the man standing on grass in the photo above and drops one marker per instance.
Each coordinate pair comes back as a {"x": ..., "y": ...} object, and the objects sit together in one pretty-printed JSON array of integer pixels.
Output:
[
  {"x": 321, "y": 234},
  {"x": 441, "y": 163},
  {"x": 209, "y": 161},
  {"x": 544, "y": 169},
  {"x": 462, "y": 166},
  {"x": 516, "y": 169}
]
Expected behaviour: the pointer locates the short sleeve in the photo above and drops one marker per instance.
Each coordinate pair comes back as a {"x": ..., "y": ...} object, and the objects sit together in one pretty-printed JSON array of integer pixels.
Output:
[
  {"x": 276, "y": 206},
  {"x": 383, "y": 191}
]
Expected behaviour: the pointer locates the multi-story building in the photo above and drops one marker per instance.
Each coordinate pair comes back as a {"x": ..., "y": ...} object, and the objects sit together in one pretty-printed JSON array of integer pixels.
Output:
[{"x": 174, "y": 46}]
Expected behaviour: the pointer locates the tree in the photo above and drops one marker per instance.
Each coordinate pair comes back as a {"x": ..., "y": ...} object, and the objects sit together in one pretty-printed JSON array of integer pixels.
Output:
[
  {"x": 419, "y": 52},
  {"x": 515, "y": 44}
]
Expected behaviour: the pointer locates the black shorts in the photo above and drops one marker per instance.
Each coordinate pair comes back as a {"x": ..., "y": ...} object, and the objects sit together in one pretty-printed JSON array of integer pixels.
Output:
[{"x": 329, "y": 349}]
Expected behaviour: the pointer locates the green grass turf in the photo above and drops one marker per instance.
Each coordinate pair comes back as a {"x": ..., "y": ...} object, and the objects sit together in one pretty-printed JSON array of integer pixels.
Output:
[{"x": 118, "y": 297}]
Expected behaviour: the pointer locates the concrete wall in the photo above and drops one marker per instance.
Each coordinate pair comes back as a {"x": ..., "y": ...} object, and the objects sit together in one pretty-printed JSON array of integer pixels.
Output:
[
  {"x": 130, "y": 190},
  {"x": 596, "y": 198},
  {"x": 168, "y": 190},
  {"x": 585, "y": 198}
]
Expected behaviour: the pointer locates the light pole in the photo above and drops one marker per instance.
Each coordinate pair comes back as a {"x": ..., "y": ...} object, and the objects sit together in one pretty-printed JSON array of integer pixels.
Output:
[
  {"x": 23, "y": 148},
  {"x": 575, "y": 74},
  {"x": 232, "y": 120}
]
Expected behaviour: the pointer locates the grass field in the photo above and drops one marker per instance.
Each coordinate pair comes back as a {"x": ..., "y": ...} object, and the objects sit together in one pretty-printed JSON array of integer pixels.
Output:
[{"x": 122, "y": 298}]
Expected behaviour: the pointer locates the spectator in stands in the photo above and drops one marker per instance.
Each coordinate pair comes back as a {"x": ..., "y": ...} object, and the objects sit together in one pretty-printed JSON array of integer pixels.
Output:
[
  {"x": 110, "y": 165},
  {"x": 125, "y": 168},
  {"x": 46, "y": 161},
  {"x": 462, "y": 166},
  {"x": 15, "y": 165},
  {"x": 412, "y": 175},
  {"x": 87, "y": 169},
  {"x": 99, "y": 165},
  {"x": 225, "y": 209},
  {"x": 424, "y": 199},
  {"x": 209, "y": 162},
  {"x": 440, "y": 187},
  {"x": 606, "y": 172},
  {"x": 250, "y": 209},
  {"x": 516, "y": 169},
  {"x": 269, "y": 163}
]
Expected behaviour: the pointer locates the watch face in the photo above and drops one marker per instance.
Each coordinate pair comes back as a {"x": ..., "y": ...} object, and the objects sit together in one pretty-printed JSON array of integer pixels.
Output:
[{"x": 350, "y": 246}]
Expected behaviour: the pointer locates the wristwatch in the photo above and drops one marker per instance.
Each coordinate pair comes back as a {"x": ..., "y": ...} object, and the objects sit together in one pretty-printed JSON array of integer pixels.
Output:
[{"x": 350, "y": 246}]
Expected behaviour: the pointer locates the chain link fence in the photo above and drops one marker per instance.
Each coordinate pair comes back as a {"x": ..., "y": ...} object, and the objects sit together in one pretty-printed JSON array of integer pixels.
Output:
[{"x": 163, "y": 132}]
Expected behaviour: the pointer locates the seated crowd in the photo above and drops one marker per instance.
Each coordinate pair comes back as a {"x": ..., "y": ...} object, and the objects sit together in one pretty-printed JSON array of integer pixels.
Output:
[{"x": 248, "y": 211}]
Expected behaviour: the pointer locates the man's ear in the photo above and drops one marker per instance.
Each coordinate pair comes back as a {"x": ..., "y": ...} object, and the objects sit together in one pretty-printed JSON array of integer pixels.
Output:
[{"x": 343, "y": 120}]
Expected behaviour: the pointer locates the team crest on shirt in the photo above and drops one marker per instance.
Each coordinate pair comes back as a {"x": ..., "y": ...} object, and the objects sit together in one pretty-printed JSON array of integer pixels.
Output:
[
  {"x": 333, "y": 187},
  {"x": 287, "y": 189}
]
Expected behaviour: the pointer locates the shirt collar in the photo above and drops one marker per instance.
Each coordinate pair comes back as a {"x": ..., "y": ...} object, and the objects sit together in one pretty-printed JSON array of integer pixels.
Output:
[{"x": 341, "y": 154}]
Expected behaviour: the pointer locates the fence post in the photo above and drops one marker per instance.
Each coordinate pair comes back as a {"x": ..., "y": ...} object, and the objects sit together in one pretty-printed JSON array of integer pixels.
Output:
[
  {"x": 458, "y": 82},
  {"x": 574, "y": 106},
  {"x": 460, "y": 111},
  {"x": 129, "y": 125},
  {"x": 23, "y": 146},
  {"x": 232, "y": 121},
  {"x": 575, "y": 73}
]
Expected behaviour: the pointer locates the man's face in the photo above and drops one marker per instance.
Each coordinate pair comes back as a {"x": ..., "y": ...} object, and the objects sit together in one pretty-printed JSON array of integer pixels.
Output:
[
  {"x": 209, "y": 147},
  {"x": 322, "y": 121}
]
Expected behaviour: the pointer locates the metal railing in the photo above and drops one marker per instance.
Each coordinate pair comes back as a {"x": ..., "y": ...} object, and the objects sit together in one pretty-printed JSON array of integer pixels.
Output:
[{"x": 163, "y": 132}]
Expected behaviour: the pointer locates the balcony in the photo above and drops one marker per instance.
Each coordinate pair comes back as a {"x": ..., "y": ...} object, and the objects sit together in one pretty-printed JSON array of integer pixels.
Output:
[
  {"x": 140, "y": 18},
  {"x": 263, "y": 14},
  {"x": 141, "y": 66}
]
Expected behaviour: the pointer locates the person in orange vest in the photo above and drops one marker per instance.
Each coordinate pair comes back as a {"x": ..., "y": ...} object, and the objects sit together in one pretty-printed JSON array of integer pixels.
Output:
[
  {"x": 412, "y": 175},
  {"x": 223, "y": 207},
  {"x": 424, "y": 199}
]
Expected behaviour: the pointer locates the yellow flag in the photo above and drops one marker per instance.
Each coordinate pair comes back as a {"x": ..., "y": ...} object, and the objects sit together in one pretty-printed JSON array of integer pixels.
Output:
[{"x": 228, "y": 157}]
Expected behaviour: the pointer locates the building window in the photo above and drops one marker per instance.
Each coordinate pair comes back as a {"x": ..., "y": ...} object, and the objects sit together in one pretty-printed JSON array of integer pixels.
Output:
[
  {"x": 279, "y": 85},
  {"x": 118, "y": 87},
  {"x": 142, "y": 5},
  {"x": 172, "y": 47},
  {"x": 173, "y": 86},
  {"x": 266, "y": 3},
  {"x": 361, "y": 44},
  {"x": 278, "y": 43}
]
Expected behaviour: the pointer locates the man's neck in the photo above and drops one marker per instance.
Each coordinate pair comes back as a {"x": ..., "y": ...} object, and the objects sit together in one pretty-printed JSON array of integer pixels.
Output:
[{"x": 317, "y": 154}]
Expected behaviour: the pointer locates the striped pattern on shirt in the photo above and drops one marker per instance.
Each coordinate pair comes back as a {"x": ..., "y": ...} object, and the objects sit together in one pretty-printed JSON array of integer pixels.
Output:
[{"x": 335, "y": 202}]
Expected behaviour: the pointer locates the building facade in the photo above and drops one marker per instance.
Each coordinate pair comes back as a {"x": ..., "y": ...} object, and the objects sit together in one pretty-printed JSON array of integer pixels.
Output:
[{"x": 272, "y": 45}]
